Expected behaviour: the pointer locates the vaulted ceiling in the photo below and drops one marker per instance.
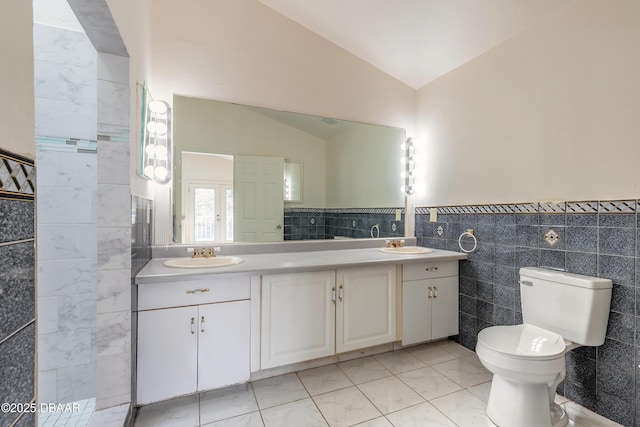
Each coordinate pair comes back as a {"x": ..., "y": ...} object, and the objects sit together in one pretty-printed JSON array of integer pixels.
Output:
[{"x": 416, "y": 41}]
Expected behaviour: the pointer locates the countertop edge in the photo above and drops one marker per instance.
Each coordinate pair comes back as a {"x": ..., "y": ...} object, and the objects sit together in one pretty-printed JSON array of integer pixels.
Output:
[{"x": 277, "y": 263}]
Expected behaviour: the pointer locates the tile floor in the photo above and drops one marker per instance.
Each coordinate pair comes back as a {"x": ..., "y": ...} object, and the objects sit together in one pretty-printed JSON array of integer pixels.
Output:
[
  {"x": 79, "y": 416},
  {"x": 437, "y": 384}
]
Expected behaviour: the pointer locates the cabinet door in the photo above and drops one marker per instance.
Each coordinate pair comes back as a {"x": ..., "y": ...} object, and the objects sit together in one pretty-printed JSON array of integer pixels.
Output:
[
  {"x": 167, "y": 353},
  {"x": 298, "y": 317},
  {"x": 445, "y": 307},
  {"x": 366, "y": 311},
  {"x": 416, "y": 311},
  {"x": 223, "y": 344}
]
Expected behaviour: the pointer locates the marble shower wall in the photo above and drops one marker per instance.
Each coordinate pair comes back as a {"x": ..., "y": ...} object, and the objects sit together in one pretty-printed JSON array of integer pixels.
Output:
[
  {"x": 66, "y": 110},
  {"x": 17, "y": 285},
  {"x": 114, "y": 322},
  {"x": 596, "y": 239}
]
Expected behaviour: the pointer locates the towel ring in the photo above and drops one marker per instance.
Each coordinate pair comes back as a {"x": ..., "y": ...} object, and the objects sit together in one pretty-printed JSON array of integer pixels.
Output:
[{"x": 469, "y": 232}]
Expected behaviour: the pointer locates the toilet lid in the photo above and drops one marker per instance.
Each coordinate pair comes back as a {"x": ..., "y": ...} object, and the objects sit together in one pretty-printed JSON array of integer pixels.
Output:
[{"x": 524, "y": 341}]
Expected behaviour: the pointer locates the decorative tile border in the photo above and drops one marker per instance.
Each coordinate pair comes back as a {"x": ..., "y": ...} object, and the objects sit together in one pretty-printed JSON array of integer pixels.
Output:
[
  {"x": 607, "y": 207},
  {"x": 346, "y": 210},
  {"x": 552, "y": 208},
  {"x": 17, "y": 176},
  {"x": 582, "y": 207},
  {"x": 625, "y": 206},
  {"x": 73, "y": 145}
]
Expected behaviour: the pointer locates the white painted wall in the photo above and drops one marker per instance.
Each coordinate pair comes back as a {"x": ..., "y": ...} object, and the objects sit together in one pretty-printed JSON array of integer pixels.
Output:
[
  {"x": 202, "y": 125},
  {"x": 363, "y": 168},
  {"x": 244, "y": 52},
  {"x": 551, "y": 114},
  {"x": 134, "y": 23},
  {"x": 17, "y": 132}
]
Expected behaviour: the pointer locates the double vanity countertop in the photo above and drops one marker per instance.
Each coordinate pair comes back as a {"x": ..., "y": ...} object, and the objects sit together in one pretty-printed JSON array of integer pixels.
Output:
[{"x": 284, "y": 262}]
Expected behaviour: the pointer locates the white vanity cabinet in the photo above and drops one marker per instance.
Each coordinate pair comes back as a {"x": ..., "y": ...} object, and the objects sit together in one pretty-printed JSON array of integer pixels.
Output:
[
  {"x": 298, "y": 317},
  {"x": 429, "y": 301},
  {"x": 192, "y": 336},
  {"x": 315, "y": 314},
  {"x": 366, "y": 307}
]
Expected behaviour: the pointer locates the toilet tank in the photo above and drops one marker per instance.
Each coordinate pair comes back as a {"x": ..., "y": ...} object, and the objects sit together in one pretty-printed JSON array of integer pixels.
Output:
[{"x": 572, "y": 305}]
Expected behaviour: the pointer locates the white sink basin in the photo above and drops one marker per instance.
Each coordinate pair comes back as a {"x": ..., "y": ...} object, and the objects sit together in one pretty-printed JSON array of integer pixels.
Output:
[
  {"x": 406, "y": 250},
  {"x": 219, "y": 261}
]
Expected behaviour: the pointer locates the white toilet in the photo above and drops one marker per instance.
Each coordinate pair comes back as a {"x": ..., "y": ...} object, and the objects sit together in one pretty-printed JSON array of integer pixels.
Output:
[{"x": 560, "y": 311}]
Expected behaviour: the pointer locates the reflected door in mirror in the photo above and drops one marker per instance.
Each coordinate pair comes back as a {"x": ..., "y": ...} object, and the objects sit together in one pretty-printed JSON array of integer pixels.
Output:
[
  {"x": 209, "y": 215},
  {"x": 259, "y": 211}
]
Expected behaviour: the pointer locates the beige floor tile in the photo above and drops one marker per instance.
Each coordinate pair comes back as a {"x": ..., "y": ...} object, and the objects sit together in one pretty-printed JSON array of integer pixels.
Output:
[
  {"x": 295, "y": 414},
  {"x": 346, "y": 407},
  {"x": 421, "y": 415},
  {"x": 253, "y": 419},
  {"x": 376, "y": 422},
  {"x": 482, "y": 391},
  {"x": 390, "y": 394},
  {"x": 181, "y": 412},
  {"x": 464, "y": 409},
  {"x": 278, "y": 390},
  {"x": 463, "y": 373},
  {"x": 431, "y": 354},
  {"x": 429, "y": 383},
  {"x": 581, "y": 416},
  {"x": 399, "y": 361},
  {"x": 227, "y": 403},
  {"x": 324, "y": 379},
  {"x": 364, "y": 370}
]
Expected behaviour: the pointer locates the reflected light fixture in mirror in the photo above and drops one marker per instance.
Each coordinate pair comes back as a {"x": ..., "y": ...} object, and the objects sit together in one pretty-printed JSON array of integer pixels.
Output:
[
  {"x": 409, "y": 163},
  {"x": 157, "y": 142}
]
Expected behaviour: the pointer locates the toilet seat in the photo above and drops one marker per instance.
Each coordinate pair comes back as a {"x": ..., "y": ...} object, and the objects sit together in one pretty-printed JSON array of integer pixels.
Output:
[{"x": 525, "y": 342}]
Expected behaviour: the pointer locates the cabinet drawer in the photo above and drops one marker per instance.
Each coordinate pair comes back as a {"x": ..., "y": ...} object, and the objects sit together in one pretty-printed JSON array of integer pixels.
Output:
[
  {"x": 193, "y": 292},
  {"x": 429, "y": 270}
]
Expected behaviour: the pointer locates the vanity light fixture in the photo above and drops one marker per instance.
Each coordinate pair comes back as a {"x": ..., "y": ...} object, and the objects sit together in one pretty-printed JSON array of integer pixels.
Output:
[
  {"x": 408, "y": 161},
  {"x": 157, "y": 142}
]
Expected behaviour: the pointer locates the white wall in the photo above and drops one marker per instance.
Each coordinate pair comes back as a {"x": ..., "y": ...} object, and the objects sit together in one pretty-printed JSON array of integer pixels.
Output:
[
  {"x": 364, "y": 168},
  {"x": 134, "y": 23},
  {"x": 16, "y": 79},
  {"x": 244, "y": 52},
  {"x": 202, "y": 125},
  {"x": 551, "y": 114}
]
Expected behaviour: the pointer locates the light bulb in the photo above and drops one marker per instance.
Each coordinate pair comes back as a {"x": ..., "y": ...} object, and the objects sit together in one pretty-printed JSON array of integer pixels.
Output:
[
  {"x": 151, "y": 126},
  {"x": 161, "y": 128},
  {"x": 148, "y": 171},
  {"x": 158, "y": 107},
  {"x": 160, "y": 152},
  {"x": 160, "y": 172},
  {"x": 150, "y": 150}
]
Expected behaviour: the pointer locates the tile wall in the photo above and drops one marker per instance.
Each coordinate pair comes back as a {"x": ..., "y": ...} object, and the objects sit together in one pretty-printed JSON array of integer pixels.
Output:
[
  {"x": 595, "y": 238},
  {"x": 17, "y": 285},
  {"x": 317, "y": 224},
  {"x": 66, "y": 271},
  {"x": 141, "y": 242},
  {"x": 65, "y": 119},
  {"x": 113, "y": 323}
]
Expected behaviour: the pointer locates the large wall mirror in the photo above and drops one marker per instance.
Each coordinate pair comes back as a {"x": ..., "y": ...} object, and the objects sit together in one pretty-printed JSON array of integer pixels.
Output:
[{"x": 245, "y": 173}]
